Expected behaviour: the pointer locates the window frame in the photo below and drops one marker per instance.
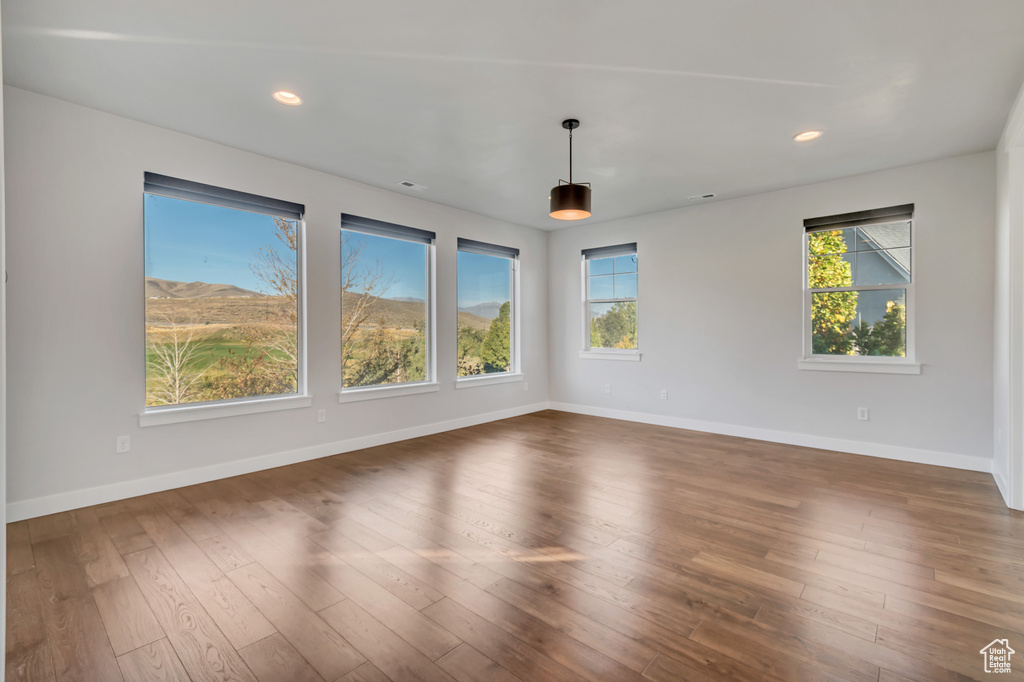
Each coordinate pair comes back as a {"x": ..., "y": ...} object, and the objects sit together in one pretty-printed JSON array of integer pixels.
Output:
[
  {"x": 212, "y": 195},
  {"x": 515, "y": 371},
  {"x": 588, "y": 352},
  {"x": 861, "y": 363},
  {"x": 379, "y": 228}
]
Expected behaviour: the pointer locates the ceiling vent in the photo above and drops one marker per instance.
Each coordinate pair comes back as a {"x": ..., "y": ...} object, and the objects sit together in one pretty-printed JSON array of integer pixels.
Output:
[
  {"x": 412, "y": 186},
  {"x": 702, "y": 197}
]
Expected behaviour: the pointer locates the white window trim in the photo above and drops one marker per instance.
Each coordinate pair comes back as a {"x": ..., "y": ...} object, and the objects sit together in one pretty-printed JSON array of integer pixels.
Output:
[
  {"x": 515, "y": 362},
  {"x": 488, "y": 379},
  {"x": 187, "y": 412},
  {"x": 868, "y": 364},
  {"x": 176, "y": 414},
  {"x": 589, "y": 352},
  {"x": 354, "y": 395},
  {"x": 620, "y": 354}
]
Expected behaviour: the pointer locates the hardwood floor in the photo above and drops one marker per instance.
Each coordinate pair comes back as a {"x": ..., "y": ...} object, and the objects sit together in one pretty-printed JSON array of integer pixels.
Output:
[{"x": 549, "y": 547}]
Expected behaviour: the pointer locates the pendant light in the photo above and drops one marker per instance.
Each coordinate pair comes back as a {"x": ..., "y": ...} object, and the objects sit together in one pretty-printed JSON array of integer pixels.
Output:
[{"x": 570, "y": 201}]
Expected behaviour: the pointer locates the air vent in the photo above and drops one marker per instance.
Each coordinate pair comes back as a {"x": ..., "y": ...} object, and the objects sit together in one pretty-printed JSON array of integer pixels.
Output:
[
  {"x": 411, "y": 185},
  {"x": 702, "y": 197}
]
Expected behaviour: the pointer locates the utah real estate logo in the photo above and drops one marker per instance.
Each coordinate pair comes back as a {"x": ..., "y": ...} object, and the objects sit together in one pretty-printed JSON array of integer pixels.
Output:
[{"x": 997, "y": 656}]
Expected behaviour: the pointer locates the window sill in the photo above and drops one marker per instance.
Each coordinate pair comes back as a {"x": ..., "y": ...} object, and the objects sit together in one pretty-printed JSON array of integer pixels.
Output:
[
  {"x": 189, "y": 413},
  {"x": 622, "y": 356},
  {"x": 866, "y": 366},
  {"x": 487, "y": 380},
  {"x": 353, "y": 395}
]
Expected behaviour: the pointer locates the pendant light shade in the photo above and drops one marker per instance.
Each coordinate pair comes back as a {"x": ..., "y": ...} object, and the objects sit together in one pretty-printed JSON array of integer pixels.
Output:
[{"x": 569, "y": 200}]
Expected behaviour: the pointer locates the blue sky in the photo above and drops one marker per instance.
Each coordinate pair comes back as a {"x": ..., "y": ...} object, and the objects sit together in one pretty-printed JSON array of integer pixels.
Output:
[
  {"x": 483, "y": 279},
  {"x": 192, "y": 242},
  {"x": 188, "y": 241},
  {"x": 404, "y": 263}
]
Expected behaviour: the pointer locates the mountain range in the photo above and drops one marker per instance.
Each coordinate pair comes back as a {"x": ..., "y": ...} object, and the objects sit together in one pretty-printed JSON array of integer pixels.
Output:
[{"x": 165, "y": 288}]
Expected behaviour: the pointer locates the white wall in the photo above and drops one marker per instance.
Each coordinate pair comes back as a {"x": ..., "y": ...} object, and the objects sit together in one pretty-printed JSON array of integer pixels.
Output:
[
  {"x": 3, "y": 381},
  {"x": 76, "y": 313},
  {"x": 720, "y": 320},
  {"x": 1008, "y": 425}
]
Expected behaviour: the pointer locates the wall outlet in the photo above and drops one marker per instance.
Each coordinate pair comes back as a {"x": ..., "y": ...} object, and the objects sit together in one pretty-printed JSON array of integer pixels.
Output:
[
  {"x": 526, "y": 386},
  {"x": 123, "y": 445},
  {"x": 862, "y": 414},
  {"x": 607, "y": 388},
  {"x": 664, "y": 394},
  {"x": 321, "y": 416}
]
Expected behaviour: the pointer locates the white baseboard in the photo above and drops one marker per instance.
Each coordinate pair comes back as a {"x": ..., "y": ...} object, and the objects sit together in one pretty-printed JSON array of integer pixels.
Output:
[
  {"x": 936, "y": 458},
  {"x": 41, "y": 506},
  {"x": 1003, "y": 485}
]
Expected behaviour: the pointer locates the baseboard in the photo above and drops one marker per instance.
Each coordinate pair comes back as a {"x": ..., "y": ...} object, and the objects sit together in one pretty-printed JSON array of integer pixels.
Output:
[
  {"x": 52, "y": 504},
  {"x": 1003, "y": 485},
  {"x": 933, "y": 457}
]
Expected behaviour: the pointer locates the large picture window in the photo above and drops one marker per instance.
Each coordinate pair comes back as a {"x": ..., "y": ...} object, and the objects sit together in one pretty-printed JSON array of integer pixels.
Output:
[
  {"x": 610, "y": 308},
  {"x": 859, "y": 284},
  {"x": 222, "y": 283},
  {"x": 386, "y": 303},
  {"x": 486, "y": 308}
]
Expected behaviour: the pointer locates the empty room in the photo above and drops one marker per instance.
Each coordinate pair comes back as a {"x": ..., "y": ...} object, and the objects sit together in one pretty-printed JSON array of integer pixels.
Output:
[{"x": 536, "y": 341}]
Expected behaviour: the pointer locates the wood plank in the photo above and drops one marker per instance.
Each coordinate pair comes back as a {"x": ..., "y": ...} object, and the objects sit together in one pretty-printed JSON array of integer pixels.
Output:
[
  {"x": 94, "y": 549},
  {"x": 126, "y": 616},
  {"x": 28, "y": 650},
  {"x": 391, "y": 654},
  {"x": 19, "y": 548},
  {"x": 78, "y": 642},
  {"x": 125, "y": 532},
  {"x": 274, "y": 658},
  {"x": 326, "y": 651},
  {"x": 202, "y": 648},
  {"x": 466, "y": 664},
  {"x": 223, "y": 552},
  {"x": 154, "y": 662}
]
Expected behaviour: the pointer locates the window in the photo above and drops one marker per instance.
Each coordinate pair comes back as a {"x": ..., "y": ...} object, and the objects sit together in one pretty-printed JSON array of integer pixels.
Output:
[
  {"x": 223, "y": 294},
  {"x": 387, "y": 302},
  {"x": 610, "y": 314},
  {"x": 859, "y": 286},
  {"x": 486, "y": 309}
]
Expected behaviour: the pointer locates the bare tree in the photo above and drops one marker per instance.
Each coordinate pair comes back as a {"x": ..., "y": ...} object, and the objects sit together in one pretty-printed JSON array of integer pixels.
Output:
[
  {"x": 362, "y": 285},
  {"x": 170, "y": 364}
]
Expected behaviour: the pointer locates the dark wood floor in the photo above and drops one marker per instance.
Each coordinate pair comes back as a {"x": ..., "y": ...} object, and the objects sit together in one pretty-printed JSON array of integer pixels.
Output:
[{"x": 546, "y": 547}]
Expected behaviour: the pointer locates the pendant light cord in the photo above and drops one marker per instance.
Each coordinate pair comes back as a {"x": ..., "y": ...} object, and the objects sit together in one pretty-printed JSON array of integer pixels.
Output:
[{"x": 570, "y": 156}]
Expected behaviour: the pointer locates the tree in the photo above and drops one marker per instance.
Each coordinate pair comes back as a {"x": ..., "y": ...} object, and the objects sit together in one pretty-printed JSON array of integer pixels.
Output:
[
  {"x": 496, "y": 349},
  {"x": 171, "y": 364},
  {"x": 616, "y": 328},
  {"x": 831, "y": 311},
  {"x": 470, "y": 343},
  {"x": 887, "y": 337},
  {"x": 362, "y": 285}
]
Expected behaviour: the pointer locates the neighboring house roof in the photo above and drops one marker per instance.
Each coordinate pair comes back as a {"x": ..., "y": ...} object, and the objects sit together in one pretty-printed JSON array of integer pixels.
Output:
[{"x": 893, "y": 238}]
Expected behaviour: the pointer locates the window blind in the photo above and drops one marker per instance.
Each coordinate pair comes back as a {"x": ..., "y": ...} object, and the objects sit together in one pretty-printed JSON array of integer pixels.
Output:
[
  {"x": 175, "y": 188},
  {"x": 892, "y": 214},
  {"x": 383, "y": 229},
  {"x": 610, "y": 251},
  {"x": 485, "y": 249}
]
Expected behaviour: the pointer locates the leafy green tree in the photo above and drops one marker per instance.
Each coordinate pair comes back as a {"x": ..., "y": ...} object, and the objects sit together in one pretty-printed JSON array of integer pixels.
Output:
[
  {"x": 470, "y": 343},
  {"x": 616, "y": 328},
  {"x": 831, "y": 312},
  {"x": 887, "y": 337},
  {"x": 496, "y": 349}
]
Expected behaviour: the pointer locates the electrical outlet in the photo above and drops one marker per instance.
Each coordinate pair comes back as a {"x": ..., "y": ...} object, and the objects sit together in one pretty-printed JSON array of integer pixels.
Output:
[
  {"x": 664, "y": 394},
  {"x": 321, "y": 416},
  {"x": 607, "y": 388},
  {"x": 862, "y": 414},
  {"x": 526, "y": 386},
  {"x": 123, "y": 445}
]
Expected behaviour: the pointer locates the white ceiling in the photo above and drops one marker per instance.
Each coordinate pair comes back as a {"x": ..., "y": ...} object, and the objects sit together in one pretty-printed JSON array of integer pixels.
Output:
[{"x": 676, "y": 97}]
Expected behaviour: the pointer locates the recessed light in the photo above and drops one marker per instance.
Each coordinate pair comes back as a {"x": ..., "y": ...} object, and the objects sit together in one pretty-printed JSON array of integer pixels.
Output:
[
  {"x": 807, "y": 136},
  {"x": 289, "y": 98}
]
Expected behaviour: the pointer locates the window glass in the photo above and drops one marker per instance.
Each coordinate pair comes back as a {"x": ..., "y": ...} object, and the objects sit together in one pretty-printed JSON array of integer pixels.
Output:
[
  {"x": 222, "y": 310},
  {"x": 611, "y": 307},
  {"x": 863, "y": 313},
  {"x": 384, "y": 309},
  {"x": 485, "y": 314}
]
